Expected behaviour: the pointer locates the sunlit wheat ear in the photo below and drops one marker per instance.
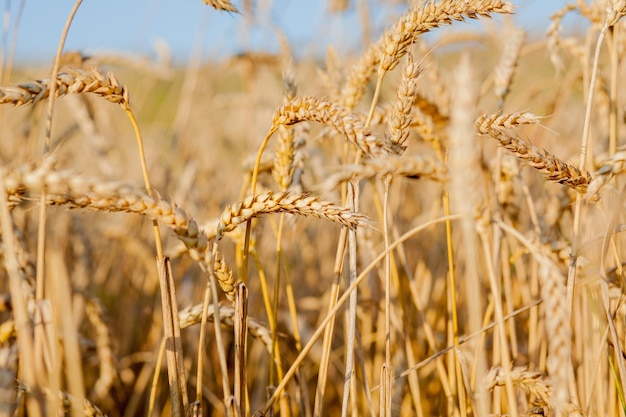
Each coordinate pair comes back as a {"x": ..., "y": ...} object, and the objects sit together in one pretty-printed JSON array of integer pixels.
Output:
[
  {"x": 530, "y": 382},
  {"x": 554, "y": 169},
  {"x": 385, "y": 54},
  {"x": 192, "y": 315},
  {"x": 283, "y": 202},
  {"x": 396, "y": 41},
  {"x": 399, "y": 121},
  {"x": 222, "y": 5},
  {"x": 333, "y": 115},
  {"x": 71, "y": 82}
]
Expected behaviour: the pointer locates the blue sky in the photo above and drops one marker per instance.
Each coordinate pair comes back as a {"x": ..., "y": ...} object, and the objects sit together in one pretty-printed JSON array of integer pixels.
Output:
[{"x": 133, "y": 26}]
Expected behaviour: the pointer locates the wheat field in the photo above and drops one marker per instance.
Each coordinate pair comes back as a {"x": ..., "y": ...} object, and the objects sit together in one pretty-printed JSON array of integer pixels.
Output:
[{"x": 428, "y": 226}]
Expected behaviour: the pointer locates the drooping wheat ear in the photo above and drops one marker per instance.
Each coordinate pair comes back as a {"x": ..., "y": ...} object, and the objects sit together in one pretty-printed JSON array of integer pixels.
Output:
[
  {"x": 412, "y": 166},
  {"x": 400, "y": 119},
  {"x": 503, "y": 73},
  {"x": 397, "y": 40},
  {"x": 70, "y": 190},
  {"x": 71, "y": 82},
  {"x": 221, "y": 5},
  {"x": 192, "y": 315},
  {"x": 557, "y": 319},
  {"x": 498, "y": 127},
  {"x": 553, "y": 39},
  {"x": 283, "y": 202},
  {"x": 339, "y": 118},
  {"x": 530, "y": 382}
]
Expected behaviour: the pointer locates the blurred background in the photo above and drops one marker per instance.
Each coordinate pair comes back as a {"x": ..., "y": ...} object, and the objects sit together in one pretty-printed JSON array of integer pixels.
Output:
[{"x": 147, "y": 26}]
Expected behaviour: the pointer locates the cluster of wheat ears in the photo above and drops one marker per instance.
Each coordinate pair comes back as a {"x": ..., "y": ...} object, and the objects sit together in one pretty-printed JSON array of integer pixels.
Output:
[{"x": 397, "y": 232}]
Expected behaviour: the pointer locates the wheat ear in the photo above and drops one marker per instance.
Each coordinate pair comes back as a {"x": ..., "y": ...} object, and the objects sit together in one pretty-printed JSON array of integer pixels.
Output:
[
  {"x": 396, "y": 41},
  {"x": 553, "y": 168},
  {"x": 333, "y": 115},
  {"x": 398, "y": 123},
  {"x": 72, "y": 82},
  {"x": 284, "y": 202},
  {"x": 222, "y": 5},
  {"x": 67, "y": 189}
]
